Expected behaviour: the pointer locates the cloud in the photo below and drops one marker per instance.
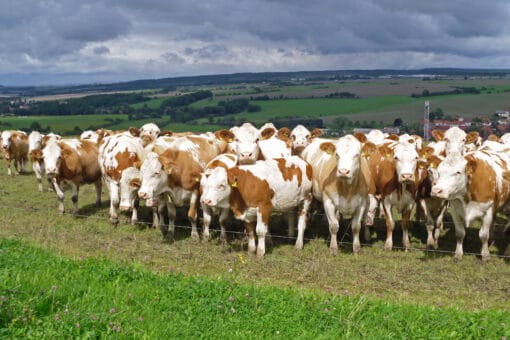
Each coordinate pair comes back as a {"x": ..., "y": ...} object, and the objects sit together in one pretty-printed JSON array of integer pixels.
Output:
[{"x": 160, "y": 38}]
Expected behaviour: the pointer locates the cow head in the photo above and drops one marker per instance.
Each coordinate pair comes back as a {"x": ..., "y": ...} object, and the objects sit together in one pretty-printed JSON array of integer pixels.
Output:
[
  {"x": 347, "y": 151},
  {"x": 301, "y": 137},
  {"x": 455, "y": 139},
  {"x": 214, "y": 188},
  {"x": 53, "y": 156},
  {"x": 129, "y": 184},
  {"x": 451, "y": 178},
  {"x": 406, "y": 160},
  {"x": 154, "y": 179},
  {"x": 6, "y": 139},
  {"x": 245, "y": 141}
]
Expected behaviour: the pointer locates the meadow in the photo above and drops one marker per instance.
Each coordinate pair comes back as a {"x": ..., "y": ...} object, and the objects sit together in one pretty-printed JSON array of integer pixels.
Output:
[{"x": 64, "y": 276}]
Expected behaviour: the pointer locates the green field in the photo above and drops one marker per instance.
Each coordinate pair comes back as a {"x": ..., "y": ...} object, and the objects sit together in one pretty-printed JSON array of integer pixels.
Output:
[{"x": 159, "y": 289}]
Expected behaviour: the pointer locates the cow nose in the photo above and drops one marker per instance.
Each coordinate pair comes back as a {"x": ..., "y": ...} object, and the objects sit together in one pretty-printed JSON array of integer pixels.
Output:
[
  {"x": 142, "y": 195},
  {"x": 206, "y": 201},
  {"x": 125, "y": 208},
  {"x": 436, "y": 191},
  {"x": 344, "y": 172},
  {"x": 407, "y": 177},
  {"x": 246, "y": 154}
]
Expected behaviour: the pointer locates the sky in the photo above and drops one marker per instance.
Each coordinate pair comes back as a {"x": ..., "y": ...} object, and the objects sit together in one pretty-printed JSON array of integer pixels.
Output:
[{"x": 62, "y": 42}]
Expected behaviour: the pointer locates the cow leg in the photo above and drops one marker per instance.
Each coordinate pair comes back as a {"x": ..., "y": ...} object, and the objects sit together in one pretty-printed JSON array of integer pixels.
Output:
[
  {"x": 8, "y": 164},
  {"x": 250, "y": 230},
  {"x": 406, "y": 217},
  {"x": 16, "y": 167},
  {"x": 330, "y": 210},
  {"x": 390, "y": 225},
  {"x": 60, "y": 195},
  {"x": 74, "y": 198},
  {"x": 303, "y": 214},
  {"x": 113, "y": 188},
  {"x": 38, "y": 174},
  {"x": 172, "y": 213},
  {"x": 134, "y": 214},
  {"x": 460, "y": 227},
  {"x": 223, "y": 219},
  {"x": 370, "y": 214},
  {"x": 207, "y": 217},
  {"x": 98, "y": 186},
  {"x": 484, "y": 234},
  {"x": 356, "y": 227},
  {"x": 192, "y": 215},
  {"x": 262, "y": 227},
  {"x": 291, "y": 223}
]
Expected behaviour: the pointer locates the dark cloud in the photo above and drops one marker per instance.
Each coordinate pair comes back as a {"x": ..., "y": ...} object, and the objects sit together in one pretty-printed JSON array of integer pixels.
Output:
[{"x": 192, "y": 36}]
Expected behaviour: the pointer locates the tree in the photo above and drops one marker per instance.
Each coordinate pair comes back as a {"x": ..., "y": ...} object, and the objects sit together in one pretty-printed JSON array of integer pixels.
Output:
[
  {"x": 35, "y": 126},
  {"x": 436, "y": 114},
  {"x": 397, "y": 122}
]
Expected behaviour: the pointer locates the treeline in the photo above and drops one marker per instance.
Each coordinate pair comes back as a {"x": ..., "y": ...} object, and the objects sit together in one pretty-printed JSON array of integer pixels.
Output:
[
  {"x": 458, "y": 90},
  {"x": 95, "y": 104},
  {"x": 184, "y": 114}
]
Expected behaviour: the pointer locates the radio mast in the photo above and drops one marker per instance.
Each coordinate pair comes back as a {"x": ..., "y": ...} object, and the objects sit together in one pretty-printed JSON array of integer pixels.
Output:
[{"x": 426, "y": 122}]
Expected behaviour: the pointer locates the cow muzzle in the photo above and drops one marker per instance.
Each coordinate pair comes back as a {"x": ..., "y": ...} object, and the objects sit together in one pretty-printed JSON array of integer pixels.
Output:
[{"x": 406, "y": 178}]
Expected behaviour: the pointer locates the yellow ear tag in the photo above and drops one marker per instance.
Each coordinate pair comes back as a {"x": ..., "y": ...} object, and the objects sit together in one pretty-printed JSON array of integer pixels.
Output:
[
  {"x": 197, "y": 179},
  {"x": 230, "y": 140},
  {"x": 432, "y": 165},
  {"x": 388, "y": 155},
  {"x": 422, "y": 166},
  {"x": 234, "y": 185}
]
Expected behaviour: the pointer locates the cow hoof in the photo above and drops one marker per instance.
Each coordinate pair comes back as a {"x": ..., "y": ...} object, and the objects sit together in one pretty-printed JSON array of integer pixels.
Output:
[
  {"x": 114, "y": 221},
  {"x": 388, "y": 248},
  {"x": 134, "y": 222},
  {"x": 195, "y": 237},
  {"x": 485, "y": 259},
  {"x": 333, "y": 251},
  {"x": 457, "y": 258}
]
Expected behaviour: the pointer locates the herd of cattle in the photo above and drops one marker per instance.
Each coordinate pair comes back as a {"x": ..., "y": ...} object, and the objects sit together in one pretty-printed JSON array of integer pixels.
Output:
[{"x": 248, "y": 173}]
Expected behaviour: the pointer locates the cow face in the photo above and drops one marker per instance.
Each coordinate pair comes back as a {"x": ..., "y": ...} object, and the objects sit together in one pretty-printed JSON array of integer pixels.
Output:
[
  {"x": 154, "y": 179},
  {"x": 129, "y": 184},
  {"x": 347, "y": 150},
  {"x": 406, "y": 160},
  {"x": 301, "y": 137},
  {"x": 451, "y": 179},
  {"x": 34, "y": 141},
  {"x": 455, "y": 139},
  {"x": 6, "y": 139},
  {"x": 245, "y": 143},
  {"x": 214, "y": 188},
  {"x": 52, "y": 155},
  {"x": 148, "y": 133}
]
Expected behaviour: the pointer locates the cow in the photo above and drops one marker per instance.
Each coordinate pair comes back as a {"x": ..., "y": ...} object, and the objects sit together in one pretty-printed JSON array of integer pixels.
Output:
[
  {"x": 258, "y": 189},
  {"x": 147, "y": 133},
  {"x": 341, "y": 181},
  {"x": 301, "y": 137},
  {"x": 244, "y": 141},
  {"x": 35, "y": 145},
  {"x": 393, "y": 167},
  {"x": 176, "y": 174},
  {"x": 14, "y": 146},
  {"x": 215, "y": 193},
  {"x": 476, "y": 188},
  {"x": 117, "y": 153},
  {"x": 455, "y": 140},
  {"x": 72, "y": 162},
  {"x": 89, "y": 135}
]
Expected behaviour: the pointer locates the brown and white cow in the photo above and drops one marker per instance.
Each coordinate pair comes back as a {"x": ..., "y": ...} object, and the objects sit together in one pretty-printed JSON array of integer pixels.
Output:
[
  {"x": 147, "y": 133},
  {"x": 244, "y": 143},
  {"x": 215, "y": 193},
  {"x": 476, "y": 189},
  {"x": 301, "y": 137},
  {"x": 258, "y": 189},
  {"x": 393, "y": 168},
  {"x": 341, "y": 181},
  {"x": 116, "y": 154},
  {"x": 175, "y": 173},
  {"x": 72, "y": 162},
  {"x": 35, "y": 145},
  {"x": 14, "y": 146}
]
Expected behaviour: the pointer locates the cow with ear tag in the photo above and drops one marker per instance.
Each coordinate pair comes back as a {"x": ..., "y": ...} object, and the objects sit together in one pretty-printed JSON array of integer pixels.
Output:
[{"x": 301, "y": 137}]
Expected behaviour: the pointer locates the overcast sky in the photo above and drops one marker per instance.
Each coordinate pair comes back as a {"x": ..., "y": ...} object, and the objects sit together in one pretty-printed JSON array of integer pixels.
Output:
[{"x": 84, "y": 41}]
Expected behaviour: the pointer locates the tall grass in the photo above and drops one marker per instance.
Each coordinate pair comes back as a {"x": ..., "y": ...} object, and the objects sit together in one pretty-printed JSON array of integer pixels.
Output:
[{"x": 44, "y": 296}]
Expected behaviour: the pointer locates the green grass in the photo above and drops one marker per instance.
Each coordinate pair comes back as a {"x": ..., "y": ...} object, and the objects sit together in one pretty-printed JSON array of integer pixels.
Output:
[
  {"x": 154, "y": 103},
  {"x": 43, "y": 295}
]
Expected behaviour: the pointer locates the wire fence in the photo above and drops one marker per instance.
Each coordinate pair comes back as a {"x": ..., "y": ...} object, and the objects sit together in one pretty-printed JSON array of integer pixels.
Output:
[{"x": 342, "y": 242}]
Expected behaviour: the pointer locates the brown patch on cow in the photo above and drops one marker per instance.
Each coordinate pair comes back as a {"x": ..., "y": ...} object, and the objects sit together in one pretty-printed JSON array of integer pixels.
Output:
[
  {"x": 80, "y": 168},
  {"x": 249, "y": 191},
  {"x": 288, "y": 173},
  {"x": 394, "y": 137},
  {"x": 360, "y": 136},
  {"x": 493, "y": 138},
  {"x": 309, "y": 171},
  {"x": 225, "y": 135},
  {"x": 134, "y": 131},
  {"x": 472, "y": 137},
  {"x": 135, "y": 183},
  {"x": 167, "y": 133},
  {"x": 267, "y": 133},
  {"x": 36, "y": 155},
  {"x": 216, "y": 164},
  {"x": 482, "y": 185},
  {"x": 284, "y": 134},
  {"x": 183, "y": 171},
  {"x": 368, "y": 149},
  {"x": 385, "y": 151},
  {"x": 438, "y": 135},
  {"x": 125, "y": 160},
  {"x": 328, "y": 148},
  {"x": 316, "y": 133}
]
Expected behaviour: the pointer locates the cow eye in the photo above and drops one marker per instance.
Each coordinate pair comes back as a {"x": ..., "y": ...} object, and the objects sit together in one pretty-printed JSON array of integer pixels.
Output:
[
  {"x": 236, "y": 139},
  {"x": 458, "y": 173},
  {"x": 221, "y": 186},
  {"x": 396, "y": 158}
]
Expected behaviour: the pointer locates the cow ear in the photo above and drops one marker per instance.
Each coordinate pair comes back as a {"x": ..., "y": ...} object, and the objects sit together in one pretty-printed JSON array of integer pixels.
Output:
[
  {"x": 135, "y": 183},
  {"x": 225, "y": 135},
  {"x": 393, "y": 136},
  {"x": 386, "y": 151},
  {"x": 66, "y": 153},
  {"x": 360, "y": 136},
  {"x": 506, "y": 175},
  {"x": 134, "y": 131},
  {"x": 284, "y": 134},
  {"x": 267, "y": 133},
  {"x": 472, "y": 137},
  {"x": 316, "y": 133},
  {"x": 328, "y": 148},
  {"x": 137, "y": 164},
  {"x": 167, "y": 133},
  {"x": 422, "y": 164},
  {"x": 426, "y": 152},
  {"x": 438, "y": 135},
  {"x": 44, "y": 141},
  {"x": 367, "y": 149}
]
